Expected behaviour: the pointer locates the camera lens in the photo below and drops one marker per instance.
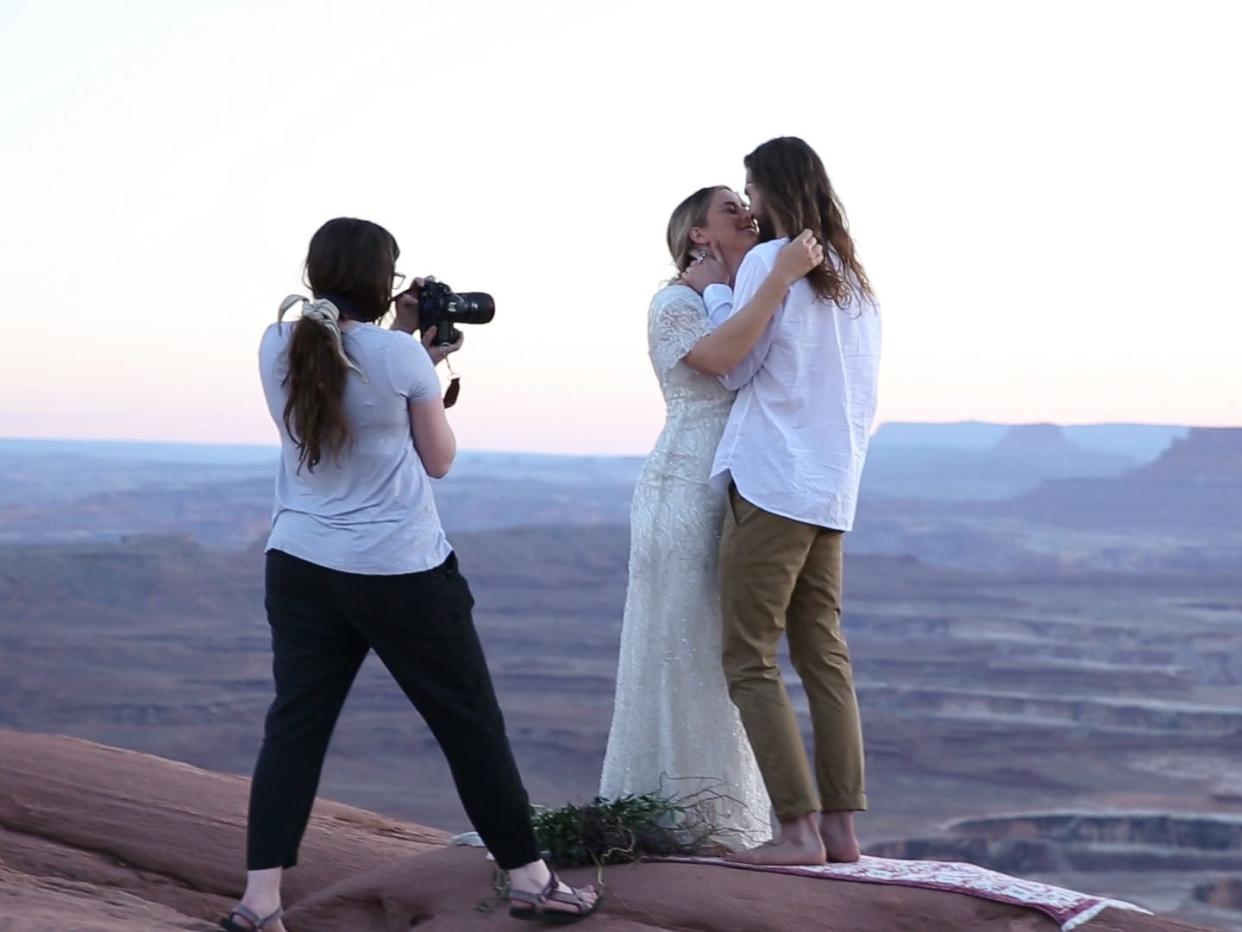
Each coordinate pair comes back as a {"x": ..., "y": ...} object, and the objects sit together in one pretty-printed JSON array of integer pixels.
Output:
[{"x": 472, "y": 307}]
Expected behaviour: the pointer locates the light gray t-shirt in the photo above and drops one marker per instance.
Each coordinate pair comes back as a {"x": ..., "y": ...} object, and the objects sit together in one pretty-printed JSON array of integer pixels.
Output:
[{"x": 368, "y": 509}]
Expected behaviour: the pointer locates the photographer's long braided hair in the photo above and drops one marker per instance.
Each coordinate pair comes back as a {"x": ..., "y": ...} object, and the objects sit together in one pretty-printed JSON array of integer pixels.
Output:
[
  {"x": 798, "y": 195},
  {"x": 351, "y": 259}
]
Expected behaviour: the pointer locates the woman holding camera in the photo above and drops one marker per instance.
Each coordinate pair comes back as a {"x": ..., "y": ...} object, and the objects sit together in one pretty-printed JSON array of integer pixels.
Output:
[
  {"x": 357, "y": 561},
  {"x": 674, "y": 729}
]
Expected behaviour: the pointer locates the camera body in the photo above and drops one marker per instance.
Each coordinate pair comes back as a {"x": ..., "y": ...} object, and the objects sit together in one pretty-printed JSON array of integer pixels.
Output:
[{"x": 440, "y": 307}]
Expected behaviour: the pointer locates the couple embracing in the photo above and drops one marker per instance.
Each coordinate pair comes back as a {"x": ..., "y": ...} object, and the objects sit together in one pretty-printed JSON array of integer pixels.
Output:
[{"x": 766, "y": 346}]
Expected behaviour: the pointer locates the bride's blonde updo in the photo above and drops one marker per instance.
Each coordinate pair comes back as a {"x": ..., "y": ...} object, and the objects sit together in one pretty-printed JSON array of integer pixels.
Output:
[{"x": 690, "y": 213}]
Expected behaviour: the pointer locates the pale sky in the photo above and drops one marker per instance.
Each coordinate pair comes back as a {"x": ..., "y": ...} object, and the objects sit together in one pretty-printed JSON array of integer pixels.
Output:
[{"x": 1046, "y": 196}]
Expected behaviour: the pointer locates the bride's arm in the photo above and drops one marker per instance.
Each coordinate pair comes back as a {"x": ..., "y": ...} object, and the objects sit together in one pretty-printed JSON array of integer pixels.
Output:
[{"x": 722, "y": 350}]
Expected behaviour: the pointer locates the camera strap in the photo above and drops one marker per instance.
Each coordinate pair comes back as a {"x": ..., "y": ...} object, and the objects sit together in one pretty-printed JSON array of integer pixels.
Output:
[{"x": 454, "y": 387}]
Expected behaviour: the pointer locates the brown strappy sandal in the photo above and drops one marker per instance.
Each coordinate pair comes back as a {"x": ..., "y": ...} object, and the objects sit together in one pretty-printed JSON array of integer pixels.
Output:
[
  {"x": 257, "y": 924},
  {"x": 536, "y": 911}
]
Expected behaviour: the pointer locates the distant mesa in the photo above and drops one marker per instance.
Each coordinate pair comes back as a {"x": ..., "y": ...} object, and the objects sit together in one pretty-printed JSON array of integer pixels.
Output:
[
  {"x": 1140, "y": 442},
  {"x": 1194, "y": 487},
  {"x": 1036, "y": 438},
  {"x": 1048, "y": 449},
  {"x": 1206, "y": 453}
]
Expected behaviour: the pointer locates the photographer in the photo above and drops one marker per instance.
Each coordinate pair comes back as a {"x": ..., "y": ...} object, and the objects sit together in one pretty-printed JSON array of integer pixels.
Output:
[{"x": 357, "y": 560}]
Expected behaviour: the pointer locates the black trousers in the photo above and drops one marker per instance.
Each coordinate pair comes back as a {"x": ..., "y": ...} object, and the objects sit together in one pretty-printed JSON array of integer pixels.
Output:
[{"x": 324, "y": 622}]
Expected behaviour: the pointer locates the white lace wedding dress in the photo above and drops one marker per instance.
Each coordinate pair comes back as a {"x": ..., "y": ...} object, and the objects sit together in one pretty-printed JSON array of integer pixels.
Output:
[{"x": 674, "y": 729}]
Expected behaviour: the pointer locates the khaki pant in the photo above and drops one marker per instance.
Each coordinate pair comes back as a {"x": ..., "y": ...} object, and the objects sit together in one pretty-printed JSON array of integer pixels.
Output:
[{"x": 780, "y": 575}]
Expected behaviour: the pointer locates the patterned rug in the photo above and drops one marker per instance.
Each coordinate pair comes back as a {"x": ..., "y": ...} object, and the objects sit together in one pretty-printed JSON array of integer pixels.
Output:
[{"x": 1066, "y": 907}]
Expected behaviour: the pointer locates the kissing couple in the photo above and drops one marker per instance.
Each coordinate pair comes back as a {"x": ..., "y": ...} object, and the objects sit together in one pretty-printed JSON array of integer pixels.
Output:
[{"x": 766, "y": 345}]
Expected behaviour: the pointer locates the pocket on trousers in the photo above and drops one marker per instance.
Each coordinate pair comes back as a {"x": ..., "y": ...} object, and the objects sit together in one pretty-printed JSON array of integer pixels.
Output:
[
  {"x": 739, "y": 508},
  {"x": 456, "y": 581}
]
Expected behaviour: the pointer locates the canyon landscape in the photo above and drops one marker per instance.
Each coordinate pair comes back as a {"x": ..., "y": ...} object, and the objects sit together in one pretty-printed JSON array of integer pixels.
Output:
[{"x": 1050, "y": 672}]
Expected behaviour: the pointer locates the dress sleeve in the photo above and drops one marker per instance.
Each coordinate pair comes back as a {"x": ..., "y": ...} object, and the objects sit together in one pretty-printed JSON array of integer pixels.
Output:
[{"x": 677, "y": 321}]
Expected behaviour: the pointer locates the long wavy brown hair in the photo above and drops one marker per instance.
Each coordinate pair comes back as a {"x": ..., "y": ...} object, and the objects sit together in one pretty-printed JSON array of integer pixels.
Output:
[
  {"x": 797, "y": 195},
  {"x": 349, "y": 259}
]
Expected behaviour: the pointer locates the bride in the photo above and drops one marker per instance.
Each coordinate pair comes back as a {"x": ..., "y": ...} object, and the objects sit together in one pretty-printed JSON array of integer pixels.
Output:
[{"x": 675, "y": 731}]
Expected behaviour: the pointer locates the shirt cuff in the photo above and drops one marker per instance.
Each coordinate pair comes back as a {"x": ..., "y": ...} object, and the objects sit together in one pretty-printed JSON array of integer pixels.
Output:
[{"x": 719, "y": 301}]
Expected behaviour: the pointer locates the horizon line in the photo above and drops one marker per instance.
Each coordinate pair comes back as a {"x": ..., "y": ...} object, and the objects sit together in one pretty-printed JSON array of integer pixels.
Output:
[{"x": 273, "y": 445}]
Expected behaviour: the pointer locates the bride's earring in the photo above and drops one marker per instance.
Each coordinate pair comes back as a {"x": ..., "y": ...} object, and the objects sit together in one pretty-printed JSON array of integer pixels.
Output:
[{"x": 699, "y": 253}]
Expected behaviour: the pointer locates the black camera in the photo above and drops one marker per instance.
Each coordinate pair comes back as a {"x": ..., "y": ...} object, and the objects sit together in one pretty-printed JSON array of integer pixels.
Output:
[{"x": 440, "y": 307}]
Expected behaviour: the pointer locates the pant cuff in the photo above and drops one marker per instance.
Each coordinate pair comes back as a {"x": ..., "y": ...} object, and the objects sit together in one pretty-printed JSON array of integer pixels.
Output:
[
  {"x": 846, "y": 804},
  {"x": 793, "y": 813},
  {"x": 267, "y": 864},
  {"x": 511, "y": 860}
]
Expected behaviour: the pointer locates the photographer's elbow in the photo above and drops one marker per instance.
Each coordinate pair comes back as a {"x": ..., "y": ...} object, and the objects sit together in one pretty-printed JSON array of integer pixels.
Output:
[{"x": 438, "y": 467}]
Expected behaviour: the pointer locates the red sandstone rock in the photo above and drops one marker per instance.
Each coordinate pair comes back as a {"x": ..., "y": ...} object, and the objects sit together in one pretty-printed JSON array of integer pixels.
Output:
[
  {"x": 161, "y": 830},
  {"x": 96, "y": 838}
]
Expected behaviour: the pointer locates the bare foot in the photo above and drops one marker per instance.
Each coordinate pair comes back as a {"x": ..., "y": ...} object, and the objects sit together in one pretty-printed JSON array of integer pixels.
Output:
[
  {"x": 797, "y": 845},
  {"x": 837, "y": 831},
  {"x": 781, "y": 853}
]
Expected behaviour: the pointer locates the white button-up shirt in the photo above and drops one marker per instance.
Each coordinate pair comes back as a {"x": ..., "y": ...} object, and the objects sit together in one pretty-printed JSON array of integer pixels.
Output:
[{"x": 797, "y": 436}]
